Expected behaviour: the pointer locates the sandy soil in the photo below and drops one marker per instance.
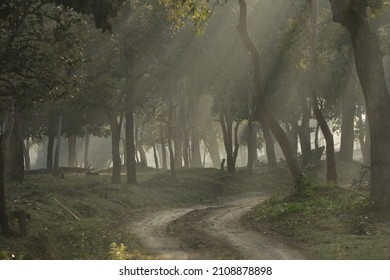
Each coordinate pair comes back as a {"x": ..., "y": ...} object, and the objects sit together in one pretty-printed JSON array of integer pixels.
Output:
[{"x": 208, "y": 232}]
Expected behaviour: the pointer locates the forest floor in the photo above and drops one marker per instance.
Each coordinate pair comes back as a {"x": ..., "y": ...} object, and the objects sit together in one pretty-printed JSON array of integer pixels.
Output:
[{"x": 202, "y": 214}]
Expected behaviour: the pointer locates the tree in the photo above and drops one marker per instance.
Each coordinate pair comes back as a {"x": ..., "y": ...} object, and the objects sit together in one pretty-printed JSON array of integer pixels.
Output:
[
  {"x": 261, "y": 102},
  {"x": 368, "y": 56}
]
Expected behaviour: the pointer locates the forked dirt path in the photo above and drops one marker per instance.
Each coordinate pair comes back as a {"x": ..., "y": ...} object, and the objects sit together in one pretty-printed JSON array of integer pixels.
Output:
[{"x": 208, "y": 232}]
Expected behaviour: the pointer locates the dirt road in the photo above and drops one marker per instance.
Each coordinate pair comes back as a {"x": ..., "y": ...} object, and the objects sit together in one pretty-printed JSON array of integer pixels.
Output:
[{"x": 208, "y": 232}]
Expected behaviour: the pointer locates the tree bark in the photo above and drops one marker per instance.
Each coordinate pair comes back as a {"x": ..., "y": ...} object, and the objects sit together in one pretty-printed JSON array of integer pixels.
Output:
[
  {"x": 369, "y": 65},
  {"x": 50, "y": 147},
  {"x": 186, "y": 149},
  {"x": 163, "y": 148},
  {"x": 26, "y": 153},
  {"x": 347, "y": 126},
  {"x": 155, "y": 156},
  {"x": 261, "y": 101},
  {"x": 170, "y": 148},
  {"x": 86, "y": 151},
  {"x": 16, "y": 150},
  {"x": 115, "y": 143},
  {"x": 363, "y": 135}
]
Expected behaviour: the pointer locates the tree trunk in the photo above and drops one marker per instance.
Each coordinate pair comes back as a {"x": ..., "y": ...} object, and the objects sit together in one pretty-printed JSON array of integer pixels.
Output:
[
  {"x": 72, "y": 157},
  {"x": 304, "y": 132},
  {"x": 369, "y": 65},
  {"x": 86, "y": 151},
  {"x": 317, "y": 137},
  {"x": 186, "y": 149},
  {"x": 331, "y": 173},
  {"x": 261, "y": 101},
  {"x": 213, "y": 147},
  {"x": 364, "y": 137},
  {"x": 26, "y": 153},
  {"x": 50, "y": 147},
  {"x": 251, "y": 117},
  {"x": 196, "y": 159},
  {"x": 116, "y": 157},
  {"x": 163, "y": 149},
  {"x": 131, "y": 175},
  {"x": 155, "y": 156},
  {"x": 56, "y": 164},
  {"x": 269, "y": 145},
  {"x": 347, "y": 125},
  {"x": 170, "y": 148},
  {"x": 16, "y": 150},
  {"x": 3, "y": 214}
]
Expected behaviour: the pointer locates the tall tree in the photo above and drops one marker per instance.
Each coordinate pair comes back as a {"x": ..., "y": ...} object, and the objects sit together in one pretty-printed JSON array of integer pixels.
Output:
[
  {"x": 261, "y": 101},
  {"x": 369, "y": 65}
]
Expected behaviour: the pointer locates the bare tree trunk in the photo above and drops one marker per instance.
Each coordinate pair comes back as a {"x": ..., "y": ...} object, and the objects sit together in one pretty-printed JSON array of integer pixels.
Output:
[
  {"x": 261, "y": 101},
  {"x": 50, "y": 147},
  {"x": 170, "y": 148},
  {"x": 56, "y": 164},
  {"x": 115, "y": 143},
  {"x": 251, "y": 117},
  {"x": 26, "y": 152},
  {"x": 364, "y": 138},
  {"x": 163, "y": 149},
  {"x": 186, "y": 149},
  {"x": 16, "y": 151},
  {"x": 86, "y": 150},
  {"x": 155, "y": 155}
]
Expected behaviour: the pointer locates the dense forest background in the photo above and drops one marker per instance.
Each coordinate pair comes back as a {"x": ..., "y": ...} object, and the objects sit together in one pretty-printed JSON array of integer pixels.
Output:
[{"x": 115, "y": 86}]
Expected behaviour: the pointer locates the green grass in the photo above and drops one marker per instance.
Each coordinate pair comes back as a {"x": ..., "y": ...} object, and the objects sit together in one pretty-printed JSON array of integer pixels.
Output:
[
  {"x": 106, "y": 209},
  {"x": 332, "y": 223}
]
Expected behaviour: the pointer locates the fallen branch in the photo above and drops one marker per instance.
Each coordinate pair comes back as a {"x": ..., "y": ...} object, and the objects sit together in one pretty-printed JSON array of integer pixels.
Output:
[{"x": 67, "y": 209}]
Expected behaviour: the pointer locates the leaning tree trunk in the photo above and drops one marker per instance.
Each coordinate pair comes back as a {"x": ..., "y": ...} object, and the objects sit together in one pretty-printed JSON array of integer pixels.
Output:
[
  {"x": 227, "y": 132},
  {"x": 369, "y": 65},
  {"x": 269, "y": 145},
  {"x": 261, "y": 101},
  {"x": 155, "y": 155},
  {"x": 331, "y": 173},
  {"x": 3, "y": 214}
]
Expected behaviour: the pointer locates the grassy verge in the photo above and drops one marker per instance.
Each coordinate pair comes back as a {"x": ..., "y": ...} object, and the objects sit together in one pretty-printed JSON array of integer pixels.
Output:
[
  {"x": 105, "y": 210},
  {"x": 331, "y": 223}
]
